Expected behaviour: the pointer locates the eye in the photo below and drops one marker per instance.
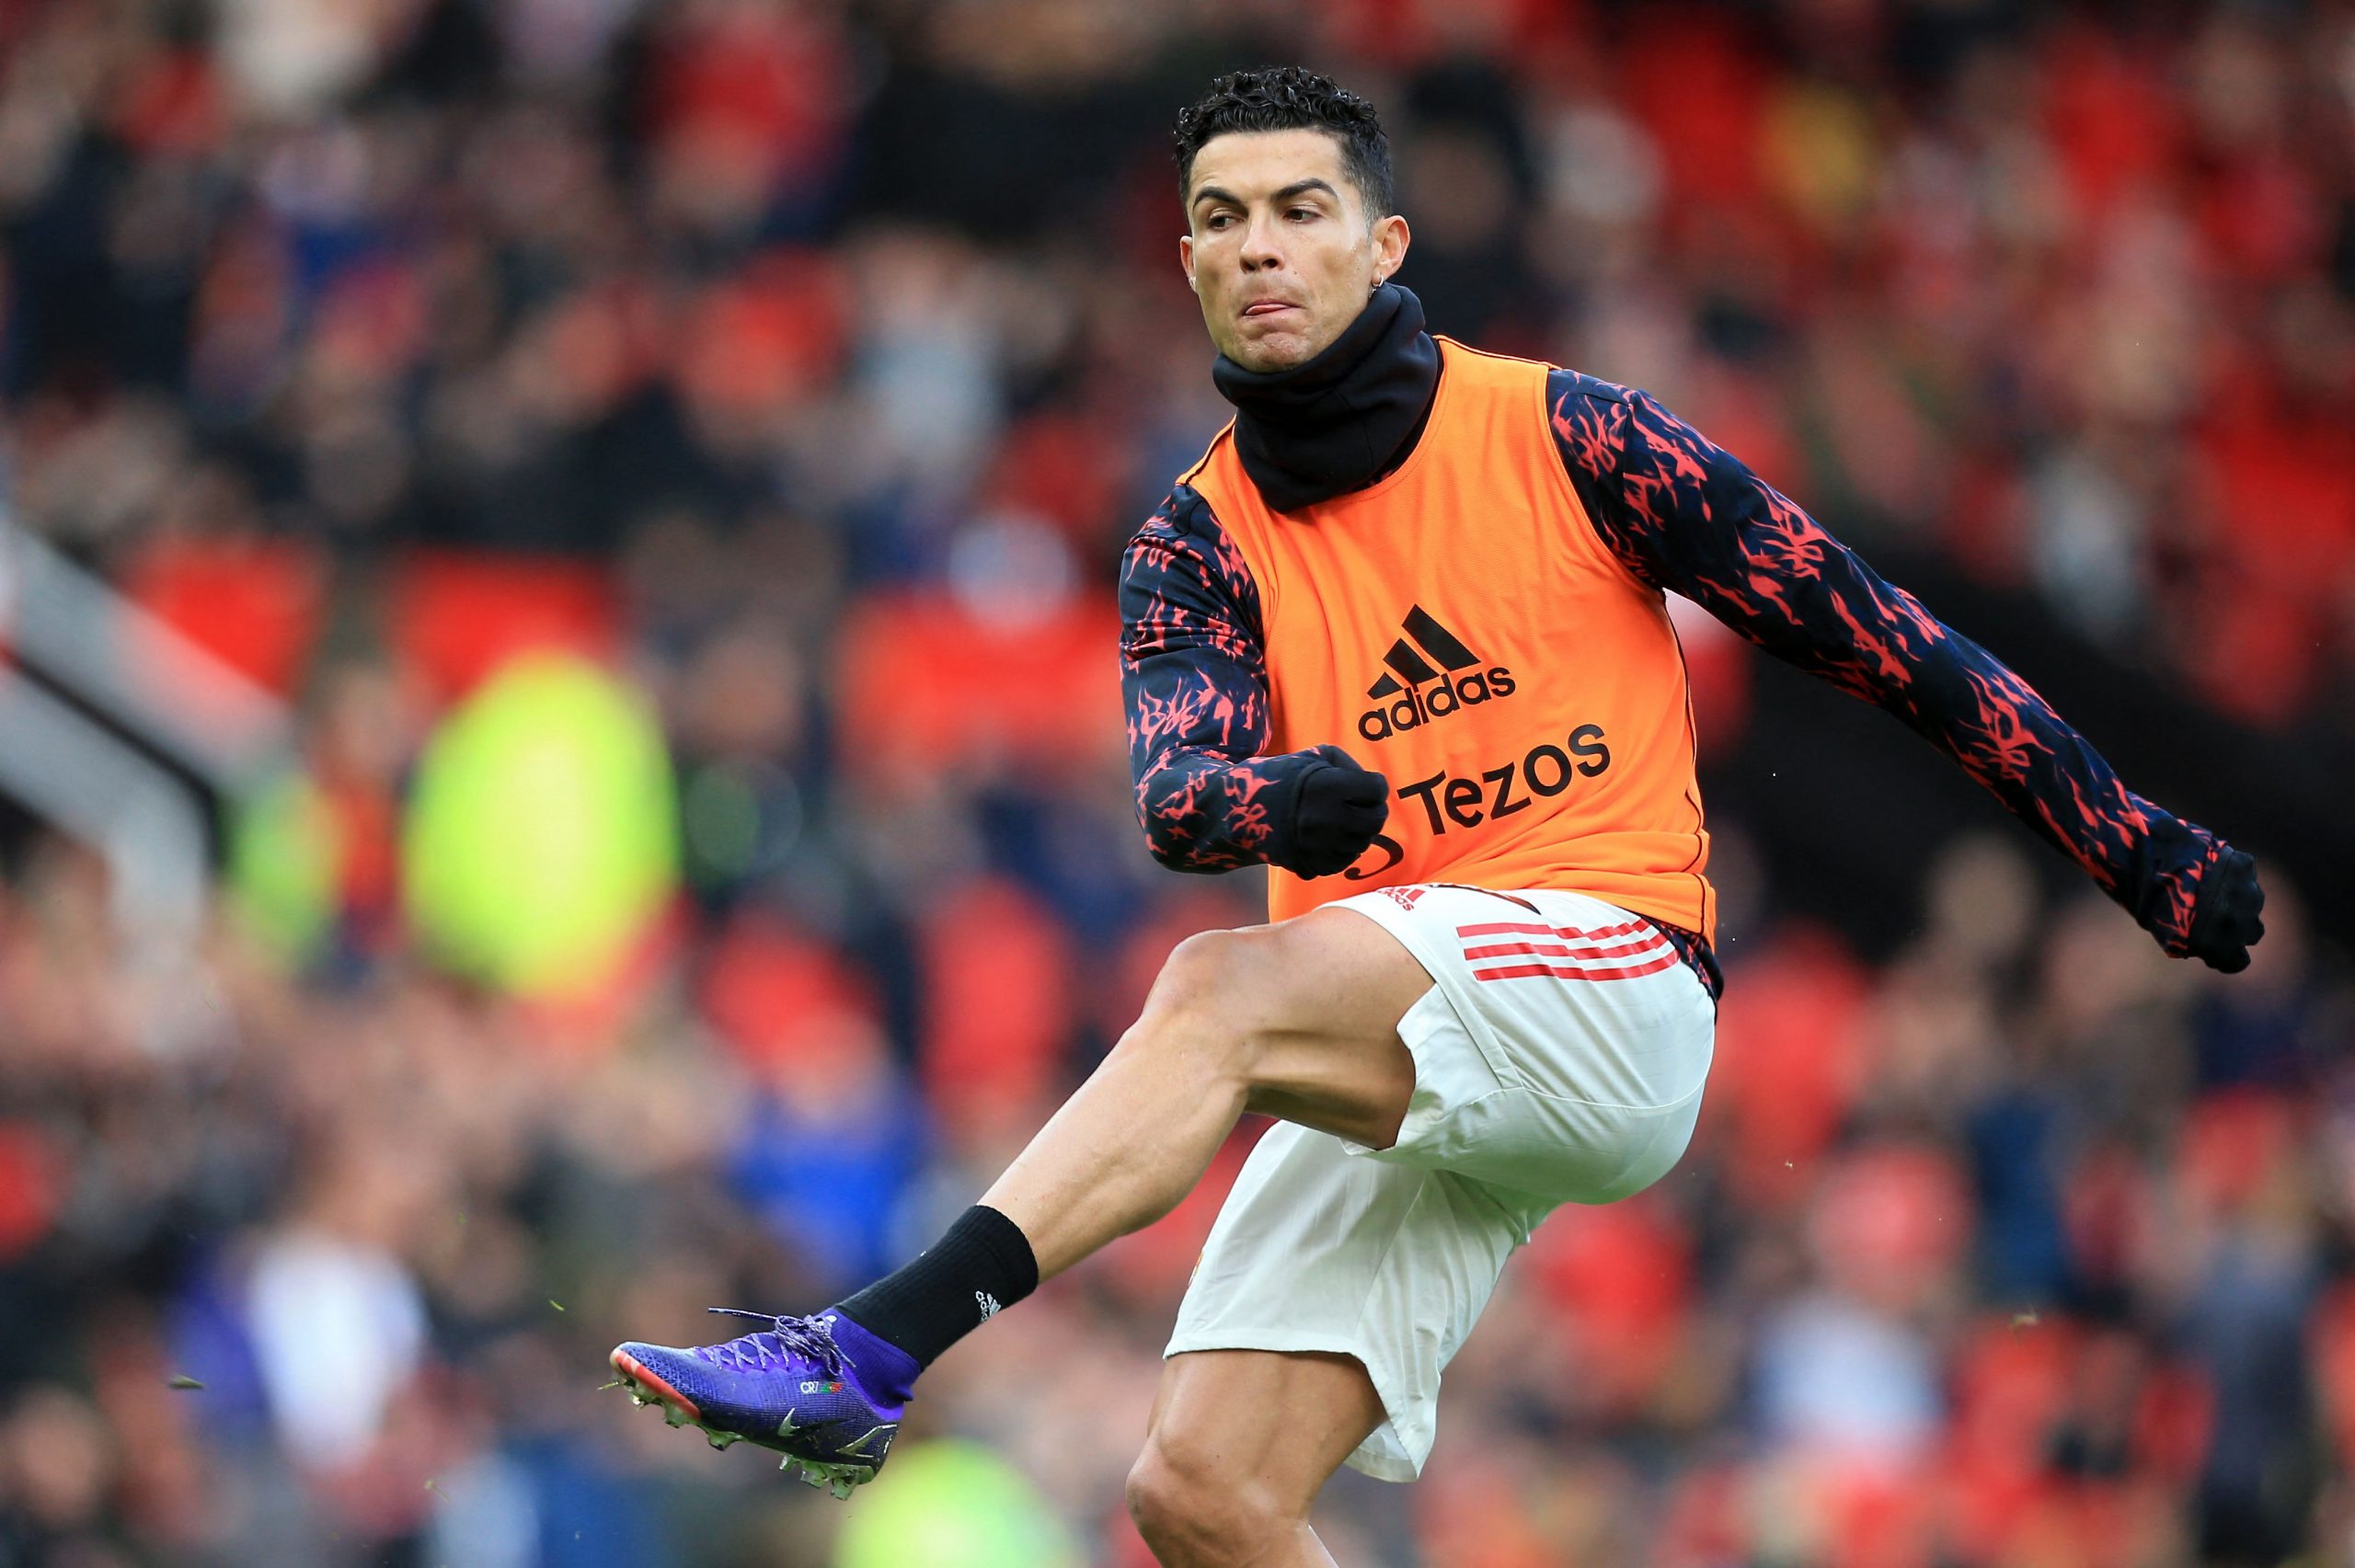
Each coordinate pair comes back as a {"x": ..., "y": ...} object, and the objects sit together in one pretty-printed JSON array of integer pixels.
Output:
[
  {"x": 1301, "y": 213},
  {"x": 1217, "y": 221}
]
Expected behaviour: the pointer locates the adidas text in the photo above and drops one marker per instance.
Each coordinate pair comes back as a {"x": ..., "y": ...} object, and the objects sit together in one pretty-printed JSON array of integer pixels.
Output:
[
  {"x": 1431, "y": 673},
  {"x": 1420, "y": 705}
]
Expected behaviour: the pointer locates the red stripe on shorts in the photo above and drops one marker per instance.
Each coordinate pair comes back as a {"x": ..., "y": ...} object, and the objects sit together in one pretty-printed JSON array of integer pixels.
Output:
[
  {"x": 1557, "y": 950},
  {"x": 1520, "y": 971}
]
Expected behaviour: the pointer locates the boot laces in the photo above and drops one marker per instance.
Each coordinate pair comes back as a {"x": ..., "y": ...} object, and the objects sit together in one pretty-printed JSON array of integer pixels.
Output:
[{"x": 810, "y": 1339}]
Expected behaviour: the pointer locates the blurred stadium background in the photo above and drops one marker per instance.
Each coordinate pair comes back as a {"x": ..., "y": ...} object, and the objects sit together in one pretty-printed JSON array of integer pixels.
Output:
[{"x": 561, "y": 761}]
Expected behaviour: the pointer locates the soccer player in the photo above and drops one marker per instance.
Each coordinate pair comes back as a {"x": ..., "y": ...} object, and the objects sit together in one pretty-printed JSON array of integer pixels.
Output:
[{"x": 1400, "y": 635}]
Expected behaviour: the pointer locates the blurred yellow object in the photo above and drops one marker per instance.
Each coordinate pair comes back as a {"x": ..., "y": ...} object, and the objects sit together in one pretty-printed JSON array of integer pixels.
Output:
[
  {"x": 542, "y": 835},
  {"x": 285, "y": 860},
  {"x": 949, "y": 1503}
]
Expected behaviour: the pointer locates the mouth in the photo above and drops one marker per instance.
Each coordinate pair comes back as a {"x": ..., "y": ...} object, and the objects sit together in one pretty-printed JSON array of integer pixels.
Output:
[{"x": 1267, "y": 307}]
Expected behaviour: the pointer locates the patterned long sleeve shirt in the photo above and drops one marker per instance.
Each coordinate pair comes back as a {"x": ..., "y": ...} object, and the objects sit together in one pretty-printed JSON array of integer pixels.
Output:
[{"x": 1684, "y": 516}]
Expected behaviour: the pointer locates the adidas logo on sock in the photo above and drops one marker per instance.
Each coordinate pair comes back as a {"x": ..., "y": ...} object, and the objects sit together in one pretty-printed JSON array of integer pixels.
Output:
[
  {"x": 988, "y": 1304},
  {"x": 1411, "y": 667}
]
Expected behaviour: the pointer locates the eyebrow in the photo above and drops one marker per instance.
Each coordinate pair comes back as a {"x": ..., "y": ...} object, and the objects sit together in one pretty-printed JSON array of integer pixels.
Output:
[{"x": 1297, "y": 187}]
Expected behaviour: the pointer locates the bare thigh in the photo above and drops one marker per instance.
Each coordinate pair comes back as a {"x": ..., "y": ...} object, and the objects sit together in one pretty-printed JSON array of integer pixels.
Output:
[
  {"x": 1278, "y": 1422},
  {"x": 1297, "y": 1019},
  {"x": 1319, "y": 998}
]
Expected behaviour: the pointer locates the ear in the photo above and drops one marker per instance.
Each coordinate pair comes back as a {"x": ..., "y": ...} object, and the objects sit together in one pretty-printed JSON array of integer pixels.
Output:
[
  {"x": 1186, "y": 260},
  {"x": 1390, "y": 241}
]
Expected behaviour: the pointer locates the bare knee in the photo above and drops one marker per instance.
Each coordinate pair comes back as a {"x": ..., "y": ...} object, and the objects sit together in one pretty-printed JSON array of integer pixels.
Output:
[
  {"x": 1202, "y": 998},
  {"x": 1204, "y": 972},
  {"x": 1195, "y": 1512}
]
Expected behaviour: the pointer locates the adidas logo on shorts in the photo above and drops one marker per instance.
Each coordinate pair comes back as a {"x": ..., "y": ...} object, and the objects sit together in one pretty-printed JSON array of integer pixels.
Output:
[
  {"x": 987, "y": 1302},
  {"x": 1425, "y": 675}
]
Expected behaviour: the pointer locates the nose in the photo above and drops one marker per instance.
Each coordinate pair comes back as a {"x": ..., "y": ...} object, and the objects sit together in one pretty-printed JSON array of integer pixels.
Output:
[{"x": 1262, "y": 248}]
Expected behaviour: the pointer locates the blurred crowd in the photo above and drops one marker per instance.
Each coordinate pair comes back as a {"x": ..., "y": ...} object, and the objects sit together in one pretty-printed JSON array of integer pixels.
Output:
[{"x": 802, "y": 365}]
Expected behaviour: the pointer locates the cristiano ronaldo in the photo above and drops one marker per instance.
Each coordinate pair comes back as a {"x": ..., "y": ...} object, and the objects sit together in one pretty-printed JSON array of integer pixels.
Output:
[{"x": 1400, "y": 635}]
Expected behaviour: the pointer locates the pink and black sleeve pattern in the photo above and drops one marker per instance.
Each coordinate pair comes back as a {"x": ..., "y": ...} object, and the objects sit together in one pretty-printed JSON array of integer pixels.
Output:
[
  {"x": 1194, "y": 680},
  {"x": 1683, "y": 515}
]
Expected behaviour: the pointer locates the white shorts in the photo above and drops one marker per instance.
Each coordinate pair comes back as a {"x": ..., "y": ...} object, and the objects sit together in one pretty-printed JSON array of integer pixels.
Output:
[{"x": 1559, "y": 1056}]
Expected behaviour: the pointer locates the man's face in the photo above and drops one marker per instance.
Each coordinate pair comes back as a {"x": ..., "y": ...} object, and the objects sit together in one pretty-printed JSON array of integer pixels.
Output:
[{"x": 1280, "y": 245}]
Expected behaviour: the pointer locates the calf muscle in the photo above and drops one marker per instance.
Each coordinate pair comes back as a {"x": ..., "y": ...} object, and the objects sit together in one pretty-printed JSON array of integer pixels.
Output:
[{"x": 1240, "y": 1444}]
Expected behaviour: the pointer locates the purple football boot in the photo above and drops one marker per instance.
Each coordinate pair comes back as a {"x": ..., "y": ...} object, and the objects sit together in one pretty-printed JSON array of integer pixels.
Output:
[{"x": 820, "y": 1391}]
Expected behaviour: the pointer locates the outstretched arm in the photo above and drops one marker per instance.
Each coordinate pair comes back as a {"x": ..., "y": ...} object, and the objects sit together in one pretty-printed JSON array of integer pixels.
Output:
[
  {"x": 1194, "y": 679},
  {"x": 1681, "y": 514}
]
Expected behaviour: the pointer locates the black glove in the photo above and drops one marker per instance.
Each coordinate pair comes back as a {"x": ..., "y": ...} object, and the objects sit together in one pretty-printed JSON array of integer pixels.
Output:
[
  {"x": 2224, "y": 923},
  {"x": 1335, "y": 810}
]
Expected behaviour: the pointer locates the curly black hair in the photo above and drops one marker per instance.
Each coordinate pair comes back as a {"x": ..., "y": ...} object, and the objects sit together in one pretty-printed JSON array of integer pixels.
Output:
[{"x": 1290, "y": 97}]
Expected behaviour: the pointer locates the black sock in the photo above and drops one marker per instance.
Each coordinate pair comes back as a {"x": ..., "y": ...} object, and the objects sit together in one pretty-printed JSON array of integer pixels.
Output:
[{"x": 982, "y": 1264}]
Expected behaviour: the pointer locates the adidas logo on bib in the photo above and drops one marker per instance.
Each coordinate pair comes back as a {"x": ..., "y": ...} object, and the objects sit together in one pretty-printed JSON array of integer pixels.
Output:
[{"x": 1427, "y": 677}]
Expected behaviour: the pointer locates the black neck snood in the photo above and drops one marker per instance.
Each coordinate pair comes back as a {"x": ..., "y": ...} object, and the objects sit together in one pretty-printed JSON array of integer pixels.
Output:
[{"x": 1346, "y": 417}]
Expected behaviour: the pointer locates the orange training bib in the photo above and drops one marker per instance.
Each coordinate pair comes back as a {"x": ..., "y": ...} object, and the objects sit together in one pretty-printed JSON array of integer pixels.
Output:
[{"x": 1459, "y": 628}]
